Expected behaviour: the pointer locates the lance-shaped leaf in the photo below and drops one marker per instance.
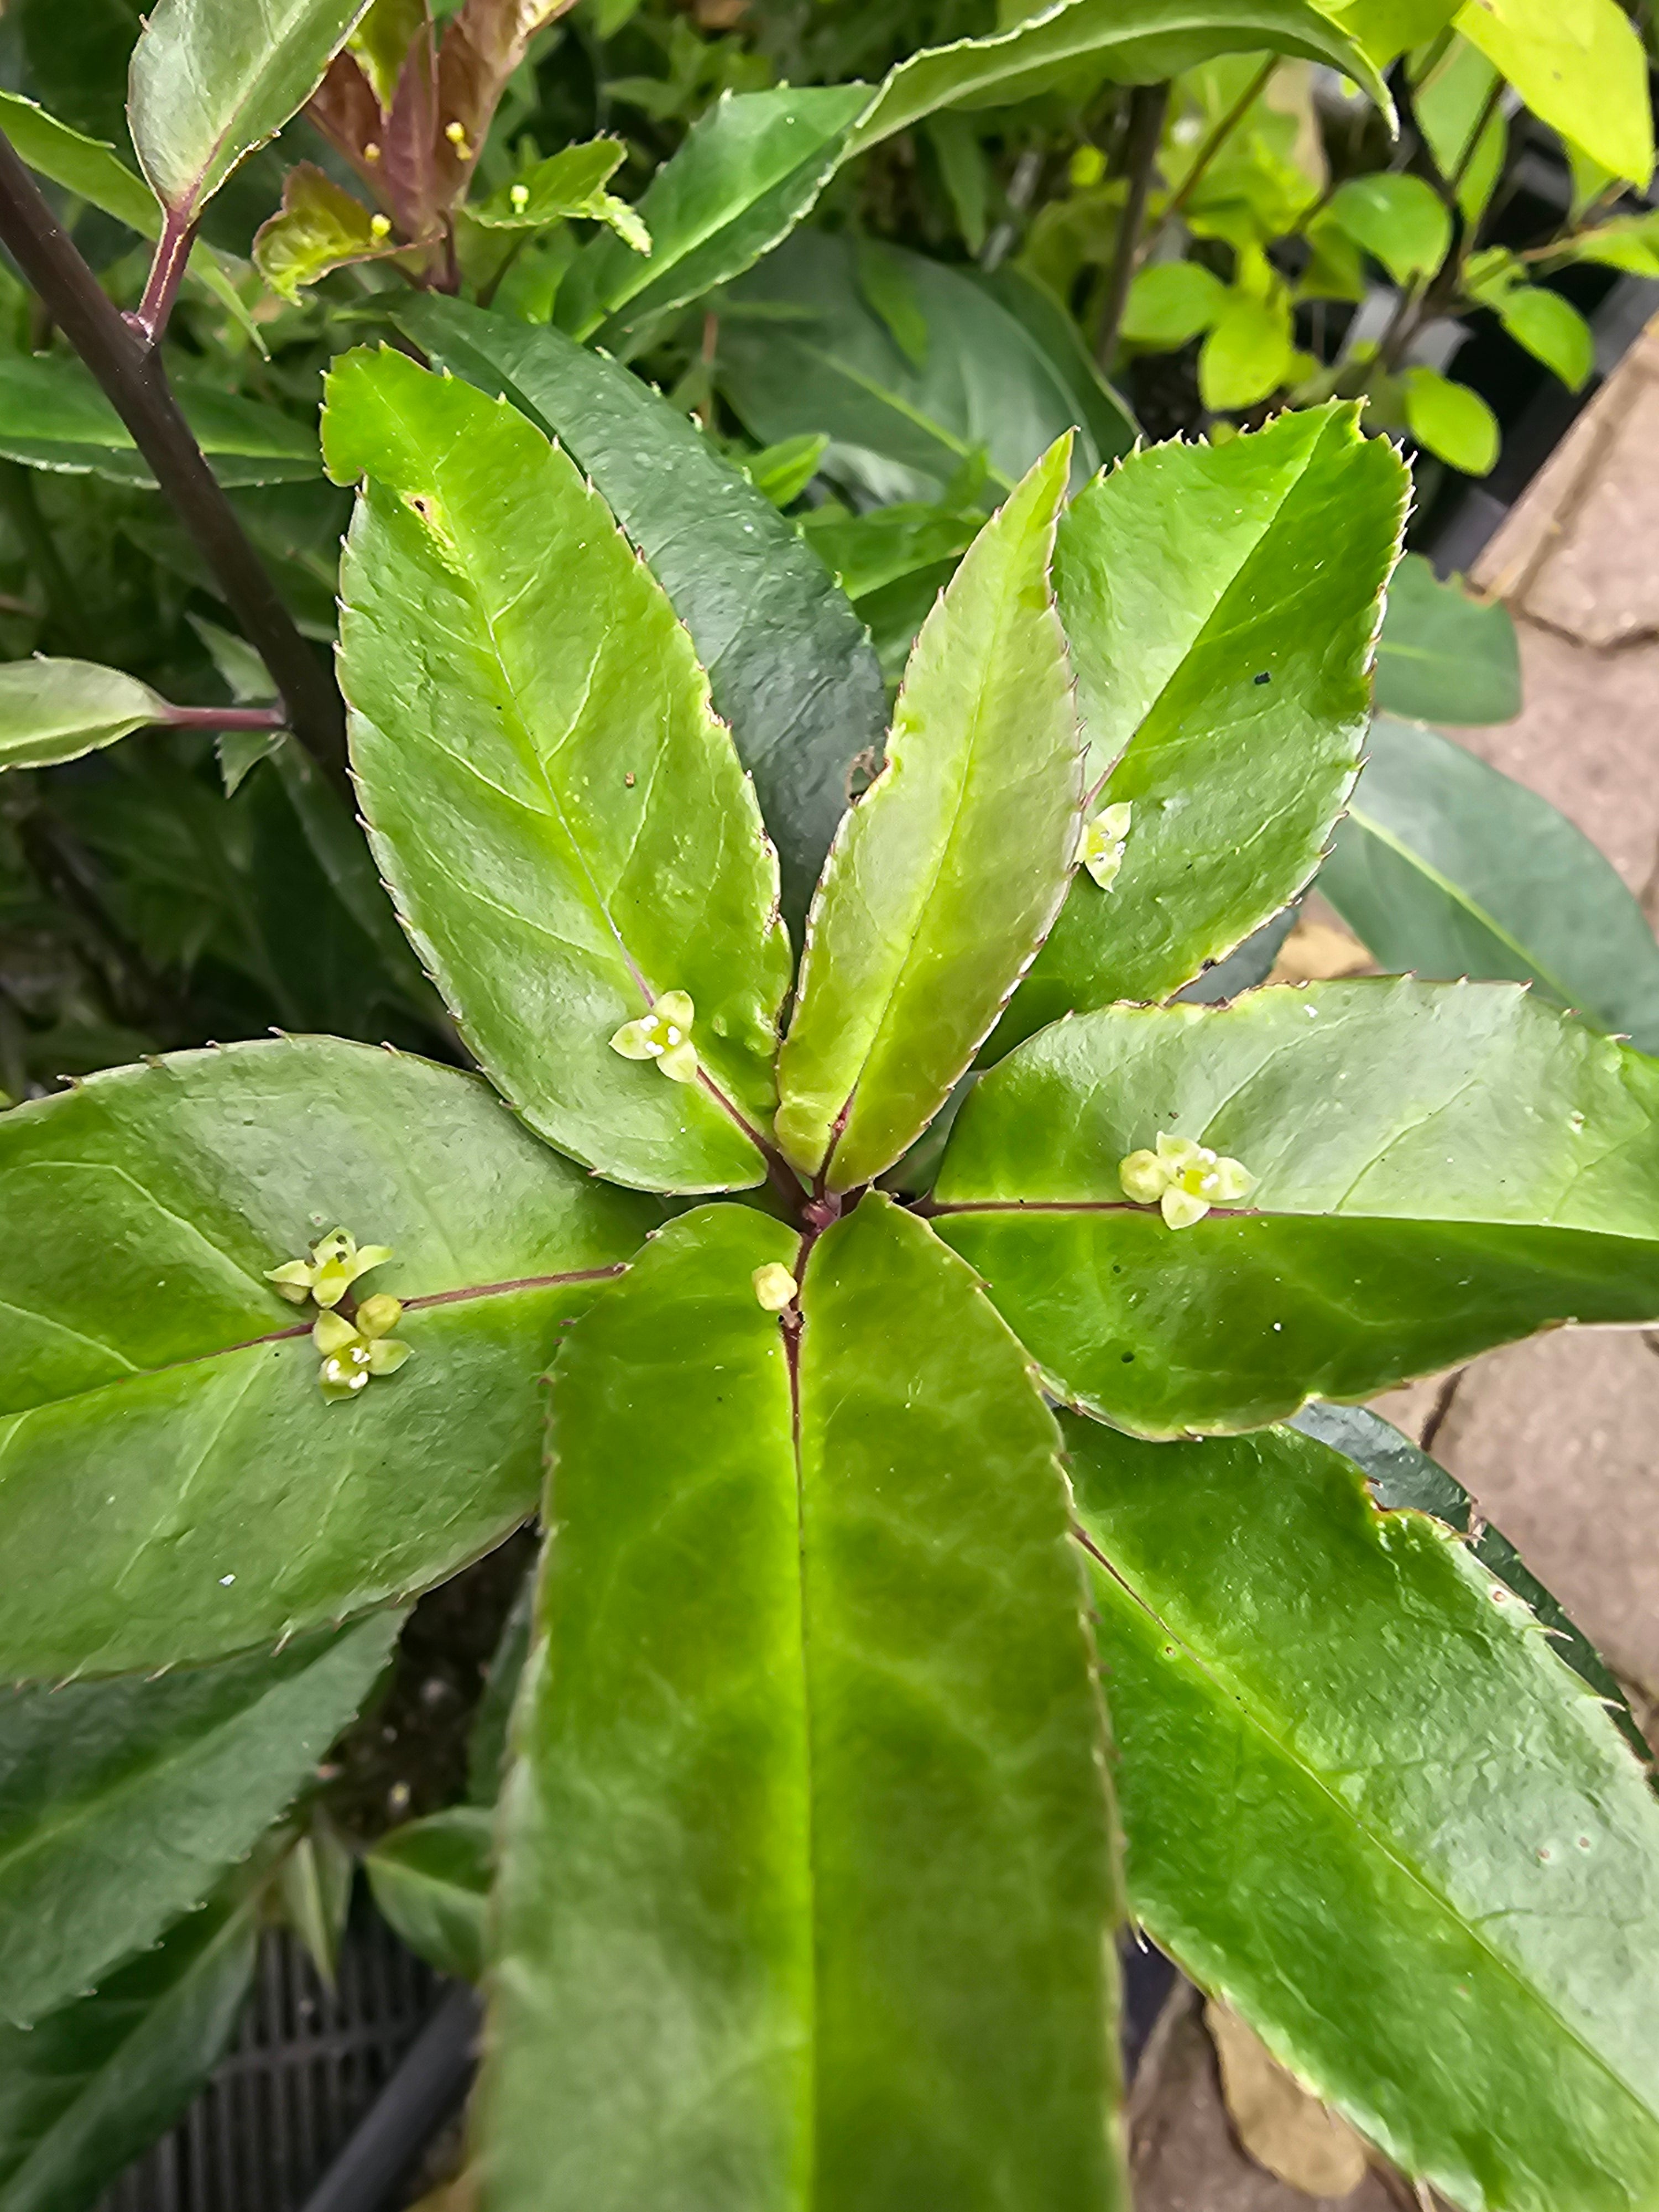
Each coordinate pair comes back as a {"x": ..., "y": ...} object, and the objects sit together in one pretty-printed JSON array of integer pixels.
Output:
[
  {"x": 1221, "y": 603},
  {"x": 210, "y": 83},
  {"x": 1124, "y": 41},
  {"x": 56, "y": 710},
  {"x": 1401, "y": 1475},
  {"x": 158, "y": 1397},
  {"x": 122, "y": 1803},
  {"x": 790, "y": 668},
  {"x": 431, "y": 1880},
  {"x": 53, "y": 415},
  {"x": 88, "y": 2089},
  {"x": 1448, "y": 867},
  {"x": 942, "y": 881},
  {"x": 807, "y": 1877},
  {"x": 802, "y": 350},
  {"x": 1366, "y": 1805},
  {"x": 562, "y": 822},
  {"x": 1438, "y": 1168},
  {"x": 1444, "y": 655},
  {"x": 321, "y": 227},
  {"x": 750, "y": 169}
]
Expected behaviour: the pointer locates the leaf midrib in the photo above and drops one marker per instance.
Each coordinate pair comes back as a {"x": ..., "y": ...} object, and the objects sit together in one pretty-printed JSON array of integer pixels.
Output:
[{"x": 1443, "y": 1905}]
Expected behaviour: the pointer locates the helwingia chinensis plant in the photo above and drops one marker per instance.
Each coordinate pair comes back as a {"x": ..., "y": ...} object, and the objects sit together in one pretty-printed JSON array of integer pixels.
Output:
[{"x": 886, "y": 1453}]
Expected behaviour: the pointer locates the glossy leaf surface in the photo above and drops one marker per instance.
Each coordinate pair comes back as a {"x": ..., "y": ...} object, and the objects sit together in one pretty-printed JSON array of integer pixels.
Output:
[
  {"x": 1445, "y": 656},
  {"x": 431, "y": 1880},
  {"x": 790, "y": 669},
  {"x": 91, "y": 2086},
  {"x": 944, "y": 879},
  {"x": 209, "y": 83},
  {"x": 1124, "y": 41},
  {"x": 56, "y": 710},
  {"x": 1448, "y": 868},
  {"x": 802, "y": 350},
  {"x": 123, "y": 1802},
  {"x": 806, "y": 1880},
  {"x": 1440, "y": 1168},
  {"x": 159, "y": 1398},
  {"x": 562, "y": 822},
  {"x": 749, "y": 170},
  {"x": 1220, "y": 603},
  {"x": 1393, "y": 1832},
  {"x": 52, "y": 415}
]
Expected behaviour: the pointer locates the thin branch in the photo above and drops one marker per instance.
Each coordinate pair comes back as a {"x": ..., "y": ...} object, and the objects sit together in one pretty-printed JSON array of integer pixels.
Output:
[
  {"x": 1465, "y": 160},
  {"x": 166, "y": 274},
  {"x": 1148, "y": 105},
  {"x": 129, "y": 371},
  {"x": 1213, "y": 145},
  {"x": 226, "y": 718}
]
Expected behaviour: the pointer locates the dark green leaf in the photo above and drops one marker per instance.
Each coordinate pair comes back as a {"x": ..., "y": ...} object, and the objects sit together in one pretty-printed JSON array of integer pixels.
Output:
[
  {"x": 946, "y": 876},
  {"x": 1448, "y": 868},
  {"x": 1220, "y": 603},
  {"x": 52, "y": 415},
  {"x": 210, "y": 83},
  {"x": 806, "y": 1875},
  {"x": 314, "y": 1889},
  {"x": 1367, "y": 1805},
  {"x": 801, "y": 350},
  {"x": 789, "y": 668},
  {"x": 123, "y": 1802},
  {"x": 159, "y": 1398},
  {"x": 1444, "y": 655},
  {"x": 431, "y": 1880},
  {"x": 562, "y": 822},
  {"x": 56, "y": 710},
  {"x": 1400, "y": 1476},
  {"x": 88, "y": 2089},
  {"x": 1440, "y": 1168},
  {"x": 486, "y": 1744}
]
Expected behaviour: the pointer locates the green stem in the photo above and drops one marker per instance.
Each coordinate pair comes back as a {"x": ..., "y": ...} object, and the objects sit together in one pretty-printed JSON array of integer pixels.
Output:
[{"x": 1213, "y": 145}]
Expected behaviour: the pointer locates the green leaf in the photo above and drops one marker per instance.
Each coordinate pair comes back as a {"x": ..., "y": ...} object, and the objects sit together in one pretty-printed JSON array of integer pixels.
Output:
[
  {"x": 1098, "y": 409},
  {"x": 122, "y": 1803},
  {"x": 93, "y": 172},
  {"x": 889, "y": 290},
  {"x": 431, "y": 1880},
  {"x": 210, "y": 84},
  {"x": 87, "y": 2090},
  {"x": 1367, "y": 1805},
  {"x": 1628, "y": 242},
  {"x": 322, "y": 227},
  {"x": 569, "y": 184},
  {"x": 159, "y": 1398},
  {"x": 1248, "y": 353},
  {"x": 1398, "y": 220},
  {"x": 381, "y": 42},
  {"x": 53, "y": 415},
  {"x": 781, "y": 473},
  {"x": 1396, "y": 1180},
  {"x": 487, "y": 1742},
  {"x": 1185, "y": 577},
  {"x": 790, "y": 670},
  {"x": 1171, "y": 302},
  {"x": 945, "y": 879},
  {"x": 56, "y": 710},
  {"x": 561, "y": 820},
  {"x": 314, "y": 1889},
  {"x": 751, "y": 167},
  {"x": 1448, "y": 868},
  {"x": 865, "y": 553},
  {"x": 1552, "y": 330},
  {"x": 1399, "y": 1476},
  {"x": 1579, "y": 66},
  {"x": 1385, "y": 28},
  {"x": 1451, "y": 102},
  {"x": 801, "y": 351},
  {"x": 1454, "y": 423},
  {"x": 806, "y": 1876},
  {"x": 966, "y": 170},
  {"x": 1082, "y": 43},
  {"x": 1444, "y": 655}
]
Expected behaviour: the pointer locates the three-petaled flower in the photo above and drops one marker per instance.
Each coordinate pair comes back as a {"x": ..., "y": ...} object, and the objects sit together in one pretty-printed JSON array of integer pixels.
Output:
[
  {"x": 664, "y": 1035},
  {"x": 334, "y": 1267},
  {"x": 355, "y": 1350},
  {"x": 1183, "y": 1180},
  {"x": 1101, "y": 849}
]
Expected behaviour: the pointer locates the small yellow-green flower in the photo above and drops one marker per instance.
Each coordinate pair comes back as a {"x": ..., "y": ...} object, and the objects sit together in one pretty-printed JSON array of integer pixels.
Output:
[
  {"x": 664, "y": 1035},
  {"x": 354, "y": 1350},
  {"x": 1183, "y": 1180},
  {"x": 334, "y": 1267},
  {"x": 1101, "y": 849},
  {"x": 774, "y": 1286}
]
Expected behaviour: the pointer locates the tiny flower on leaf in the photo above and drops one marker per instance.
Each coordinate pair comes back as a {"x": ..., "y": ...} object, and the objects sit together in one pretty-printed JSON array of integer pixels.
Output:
[
  {"x": 1101, "y": 851},
  {"x": 774, "y": 1286},
  {"x": 354, "y": 1353},
  {"x": 664, "y": 1035},
  {"x": 1183, "y": 1180},
  {"x": 334, "y": 1265}
]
